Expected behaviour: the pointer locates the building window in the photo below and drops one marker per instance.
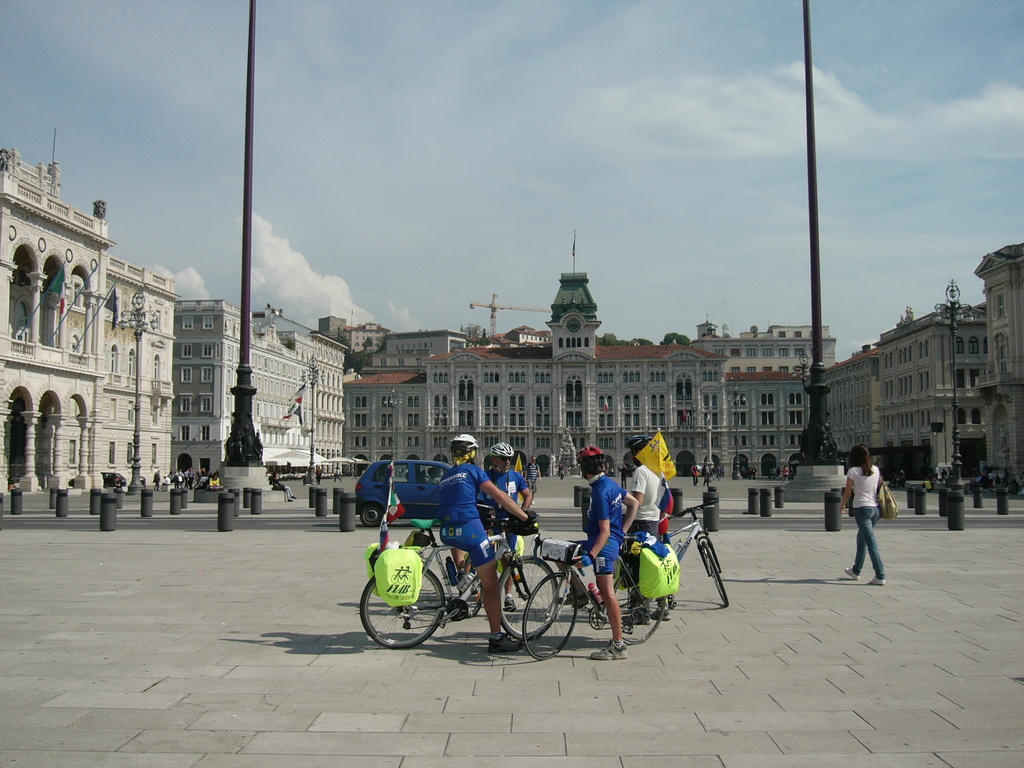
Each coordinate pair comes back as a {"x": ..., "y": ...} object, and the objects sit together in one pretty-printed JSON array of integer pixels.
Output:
[
  {"x": 186, "y": 322},
  {"x": 204, "y": 432},
  {"x": 186, "y": 375},
  {"x": 207, "y": 350},
  {"x": 206, "y": 374},
  {"x": 767, "y": 418},
  {"x": 186, "y": 404},
  {"x": 112, "y": 453},
  {"x": 206, "y": 403},
  {"x": 186, "y": 350},
  {"x": 207, "y": 323},
  {"x": 185, "y": 432}
]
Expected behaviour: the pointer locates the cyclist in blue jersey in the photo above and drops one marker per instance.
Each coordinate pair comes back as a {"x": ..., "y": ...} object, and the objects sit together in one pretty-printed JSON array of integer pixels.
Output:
[
  {"x": 514, "y": 484},
  {"x": 605, "y": 529},
  {"x": 462, "y": 527}
]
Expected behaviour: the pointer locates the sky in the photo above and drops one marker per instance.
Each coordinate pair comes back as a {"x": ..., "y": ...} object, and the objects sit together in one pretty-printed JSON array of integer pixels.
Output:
[{"x": 414, "y": 157}]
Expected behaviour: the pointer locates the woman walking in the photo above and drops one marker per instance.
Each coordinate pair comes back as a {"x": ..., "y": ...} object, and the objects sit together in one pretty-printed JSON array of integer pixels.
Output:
[{"x": 863, "y": 482}]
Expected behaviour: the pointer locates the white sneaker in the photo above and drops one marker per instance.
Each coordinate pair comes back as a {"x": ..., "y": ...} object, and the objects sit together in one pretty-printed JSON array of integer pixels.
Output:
[
  {"x": 851, "y": 575},
  {"x": 877, "y": 582}
]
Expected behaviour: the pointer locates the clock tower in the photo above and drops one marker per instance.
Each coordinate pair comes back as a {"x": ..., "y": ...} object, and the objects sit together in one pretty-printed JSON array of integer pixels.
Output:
[{"x": 574, "y": 320}]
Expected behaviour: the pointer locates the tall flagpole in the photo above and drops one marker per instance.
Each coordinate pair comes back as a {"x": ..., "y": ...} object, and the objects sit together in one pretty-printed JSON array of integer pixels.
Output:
[
  {"x": 817, "y": 444},
  {"x": 244, "y": 448}
]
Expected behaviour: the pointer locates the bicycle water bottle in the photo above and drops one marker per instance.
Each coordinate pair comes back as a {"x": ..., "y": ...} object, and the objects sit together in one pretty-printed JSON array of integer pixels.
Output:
[
  {"x": 453, "y": 575},
  {"x": 595, "y": 593}
]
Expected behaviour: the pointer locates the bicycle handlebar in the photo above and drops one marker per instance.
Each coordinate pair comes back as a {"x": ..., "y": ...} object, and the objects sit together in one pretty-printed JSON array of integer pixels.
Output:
[{"x": 692, "y": 511}]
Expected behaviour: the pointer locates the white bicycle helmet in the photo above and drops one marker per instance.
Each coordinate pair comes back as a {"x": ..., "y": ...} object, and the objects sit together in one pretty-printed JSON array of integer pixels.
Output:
[
  {"x": 463, "y": 448},
  {"x": 503, "y": 450}
]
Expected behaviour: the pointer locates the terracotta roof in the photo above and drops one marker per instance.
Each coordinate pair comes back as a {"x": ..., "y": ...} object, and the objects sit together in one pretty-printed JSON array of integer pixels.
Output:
[
  {"x": 762, "y": 376},
  {"x": 604, "y": 352},
  {"x": 856, "y": 358},
  {"x": 405, "y": 377}
]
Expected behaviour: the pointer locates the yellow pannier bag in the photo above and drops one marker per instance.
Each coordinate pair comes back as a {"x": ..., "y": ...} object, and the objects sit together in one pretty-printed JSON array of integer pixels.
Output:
[
  {"x": 399, "y": 573},
  {"x": 371, "y": 557},
  {"x": 659, "y": 576},
  {"x": 520, "y": 548}
]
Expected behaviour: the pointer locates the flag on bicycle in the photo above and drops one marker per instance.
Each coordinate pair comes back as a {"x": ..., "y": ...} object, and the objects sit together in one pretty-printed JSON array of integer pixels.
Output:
[
  {"x": 657, "y": 458},
  {"x": 394, "y": 511},
  {"x": 666, "y": 505}
]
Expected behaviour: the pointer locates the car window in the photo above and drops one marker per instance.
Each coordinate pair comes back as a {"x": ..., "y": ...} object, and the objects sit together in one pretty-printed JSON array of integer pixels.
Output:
[
  {"x": 380, "y": 475},
  {"x": 429, "y": 474}
]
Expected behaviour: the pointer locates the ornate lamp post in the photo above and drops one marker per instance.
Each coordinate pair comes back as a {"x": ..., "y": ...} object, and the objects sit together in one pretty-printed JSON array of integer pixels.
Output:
[
  {"x": 738, "y": 401},
  {"x": 312, "y": 377},
  {"x": 391, "y": 401},
  {"x": 138, "y": 318},
  {"x": 952, "y": 309}
]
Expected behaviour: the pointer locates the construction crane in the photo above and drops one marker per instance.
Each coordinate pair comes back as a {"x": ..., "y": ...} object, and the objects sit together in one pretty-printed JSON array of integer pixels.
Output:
[{"x": 494, "y": 306}]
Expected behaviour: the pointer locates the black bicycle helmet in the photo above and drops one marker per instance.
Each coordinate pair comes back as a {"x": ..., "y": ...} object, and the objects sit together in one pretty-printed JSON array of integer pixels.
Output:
[{"x": 638, "y": 442}]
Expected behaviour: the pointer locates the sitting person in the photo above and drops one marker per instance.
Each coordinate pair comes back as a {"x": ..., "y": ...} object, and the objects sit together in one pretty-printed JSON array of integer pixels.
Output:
[
  {"x": 277, "y": 485},
  {"x": 215, "y": 481}
]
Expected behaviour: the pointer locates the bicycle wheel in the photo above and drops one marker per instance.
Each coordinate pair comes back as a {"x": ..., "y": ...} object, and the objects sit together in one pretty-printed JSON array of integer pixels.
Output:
[
  {"x": 707, "y": 554},
  {"x": 549, "y": 616},
  {"x": 640, "y": 616},
  {"x": 714, "y": 554},
  {"x": 407, "y": 625},
  {"x": 517, "y": 581}
]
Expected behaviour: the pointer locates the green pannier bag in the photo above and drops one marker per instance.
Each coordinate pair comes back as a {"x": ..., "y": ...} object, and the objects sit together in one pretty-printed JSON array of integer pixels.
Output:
[
  {"x": 371, "y": 557},
  {"x": 659, "y": 576},
  {"x": 399, "y": 573}
]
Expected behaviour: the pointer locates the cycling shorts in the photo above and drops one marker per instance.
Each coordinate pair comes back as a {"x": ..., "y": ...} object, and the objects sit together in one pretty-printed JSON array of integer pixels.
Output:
[
  {"x": 605, "y": 561},
  {"x": 470, "y": 537}
]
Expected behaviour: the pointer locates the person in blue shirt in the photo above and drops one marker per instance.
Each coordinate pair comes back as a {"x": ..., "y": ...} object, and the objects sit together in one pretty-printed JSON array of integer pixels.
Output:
[
  {"x": 515, "y": 485},
  {"x": 605, "y": 528},
  {"x": 461, "y": 527}
]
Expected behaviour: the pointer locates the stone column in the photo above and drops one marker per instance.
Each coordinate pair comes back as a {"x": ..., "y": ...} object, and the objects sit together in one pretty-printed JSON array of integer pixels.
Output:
[
  {"x": 28, "y": 481},
  {"x": 57, "y": 470},
  {"x": 81, "y": 480},
  {"x": 36, "y": 278}
]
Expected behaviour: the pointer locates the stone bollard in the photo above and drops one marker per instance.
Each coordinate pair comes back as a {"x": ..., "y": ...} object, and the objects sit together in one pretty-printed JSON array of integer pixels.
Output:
[
  {"x": 108, "y": 512},
  {"x": 146, "y": 503},
  {"x": 955, "y": 511},
  {"x": 347, "y": 512},
  {"x": 780, "y": 496},
  {"x": 184, "y": 499},
  {"x": 920, "y": 501},
  {"x": 677, "y": 498},
  {"x": 95, "y": 496},
  {"x": 710, "y": 502},
  {"x": 236, "y": 500},
  {"x": 225, "y": 511},
  {"x": 911, "y": 496},
  {"x": 977, "y": 497},
  {"x": 833, "y": 511},
  {"x": 336, "y": 501},
  {"x": 321, "y": 502},
  {"x": 766, "y": 502},
  {"x": 16, "y": 501},
  {"x": 53, "y": 498},
  {"x": 176, "y": 495},
  {"x": 256, "y": 501},
  {"x": 246, "y": 497},
  {"x": 61, "y": 503},
  {"x": 577, "y": 491},
  {"x": 119, "y": 496},
  {"x": 943, "y": 500},
  {"x": 751, "y": 501},
  {"x": 1002, "y": 501},
  {"x": 312, "y": 497}
]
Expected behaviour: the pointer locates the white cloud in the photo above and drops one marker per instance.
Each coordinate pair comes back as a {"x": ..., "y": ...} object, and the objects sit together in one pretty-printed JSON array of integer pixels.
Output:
[
  {"x": 403, "y": 318},
  {"x": 283, "y": 277},
  {"x": 758, "y": 115},
  {"x": 188, "y": 283}
]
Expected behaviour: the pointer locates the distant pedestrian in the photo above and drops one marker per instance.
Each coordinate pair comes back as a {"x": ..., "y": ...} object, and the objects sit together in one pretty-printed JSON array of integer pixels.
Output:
[
  {"x": 695, "y": 472},
  {"x": 863, "y": 483},
  {"x": 533, "y": 474}
]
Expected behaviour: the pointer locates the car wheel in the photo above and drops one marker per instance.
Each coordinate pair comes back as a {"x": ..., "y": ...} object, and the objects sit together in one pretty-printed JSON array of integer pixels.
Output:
[{"x": 370, "y": 515}]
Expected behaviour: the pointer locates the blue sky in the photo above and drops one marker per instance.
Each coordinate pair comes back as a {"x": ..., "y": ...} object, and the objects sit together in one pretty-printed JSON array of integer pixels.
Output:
[{"x": 413, "y": 157}]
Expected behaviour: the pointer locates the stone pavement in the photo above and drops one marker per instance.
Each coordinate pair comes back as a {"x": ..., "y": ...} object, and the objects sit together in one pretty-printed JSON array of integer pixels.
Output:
[{"x": 166, "y": 644}]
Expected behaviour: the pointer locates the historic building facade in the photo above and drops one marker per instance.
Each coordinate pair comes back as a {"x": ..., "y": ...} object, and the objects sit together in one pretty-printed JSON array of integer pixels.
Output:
[
  {"x": 206, "y": 356},
  {"x": 1002, "y": 381},
  {"x": 916, "y": 392},
  {"x": 854, "y": 400},
  {"x": 69, "y": 369}
]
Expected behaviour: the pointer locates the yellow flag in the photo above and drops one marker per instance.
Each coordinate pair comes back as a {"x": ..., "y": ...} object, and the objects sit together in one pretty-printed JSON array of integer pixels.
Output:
[
  {"x": 519, "y": 463},
  {"x": 656, "y": 457}
]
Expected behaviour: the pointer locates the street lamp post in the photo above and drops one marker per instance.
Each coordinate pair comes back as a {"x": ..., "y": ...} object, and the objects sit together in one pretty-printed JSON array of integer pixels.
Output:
[
  {"x": 738, "y": 400},
  {"x": 952, "y": 309},
  {"x": 138, "y": 318},
  {"x": 312, "y": 379},
  {"x": 391, "y": 401}
]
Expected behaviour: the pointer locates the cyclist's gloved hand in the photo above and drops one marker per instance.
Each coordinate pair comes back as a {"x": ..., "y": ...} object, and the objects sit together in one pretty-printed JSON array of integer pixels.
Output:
[
  {"x": 585, "y": 560},
  {"x": 531, "y": 516}
]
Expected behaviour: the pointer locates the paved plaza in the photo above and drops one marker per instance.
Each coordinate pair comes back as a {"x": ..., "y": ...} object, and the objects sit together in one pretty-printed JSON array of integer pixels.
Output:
[{"x": 167, "y": 644}]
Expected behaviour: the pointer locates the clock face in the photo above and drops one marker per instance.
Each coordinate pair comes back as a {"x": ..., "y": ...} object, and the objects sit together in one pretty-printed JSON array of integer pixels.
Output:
[{"x": 572, "y": 325}]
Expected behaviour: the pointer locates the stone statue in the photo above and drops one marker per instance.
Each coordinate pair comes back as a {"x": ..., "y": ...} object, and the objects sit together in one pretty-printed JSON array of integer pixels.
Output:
[
  {"x": 5, "y": 160},
  {"x": 99, "y": 209}
]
